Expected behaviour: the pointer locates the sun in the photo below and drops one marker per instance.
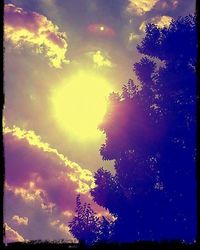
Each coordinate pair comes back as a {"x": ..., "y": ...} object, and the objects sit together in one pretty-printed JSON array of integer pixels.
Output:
[
  {"x": 80, "y": 104},
  {"x": 102, "y": 28}
]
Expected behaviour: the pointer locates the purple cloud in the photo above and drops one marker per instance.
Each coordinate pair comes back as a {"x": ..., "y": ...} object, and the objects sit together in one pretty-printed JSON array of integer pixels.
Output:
[{"x": 39, "y": 177}]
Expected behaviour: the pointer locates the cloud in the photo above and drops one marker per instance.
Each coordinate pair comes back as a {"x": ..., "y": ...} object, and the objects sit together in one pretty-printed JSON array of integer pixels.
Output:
[
  {"x": 36, "y": 170},
  {"x": 140, "y": 7},
  {"x": 133, "y": 37},
  {"x": 39, "y": 219},
  {"x": 43, "y": 185},
  {"x": 159, "y": 21},
  {"x": 26, "y": 28},
  {"x": 63, "y": 229},
  {"x": 162, "y": 21},
  {"x": 20, "y": 220},
  {"x": 101, "y": 60},
  {"x": 167, "y": 4},
  {"x": 11, "y": 235}
]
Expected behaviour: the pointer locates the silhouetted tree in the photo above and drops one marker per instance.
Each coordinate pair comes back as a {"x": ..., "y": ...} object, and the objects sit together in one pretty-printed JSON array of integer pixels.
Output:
[
  {"x": 87, "y": 227},
  {"x": 150, "y": 133},
  {"x": 85, "y": 224}
]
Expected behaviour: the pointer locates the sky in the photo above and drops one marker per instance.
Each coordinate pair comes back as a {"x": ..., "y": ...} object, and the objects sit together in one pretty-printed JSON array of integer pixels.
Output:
[{"x": 63, "y": 58}]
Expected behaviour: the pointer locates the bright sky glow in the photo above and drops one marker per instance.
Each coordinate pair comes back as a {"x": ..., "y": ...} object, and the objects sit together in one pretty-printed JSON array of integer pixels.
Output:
[{"x": 80, "y": 104}]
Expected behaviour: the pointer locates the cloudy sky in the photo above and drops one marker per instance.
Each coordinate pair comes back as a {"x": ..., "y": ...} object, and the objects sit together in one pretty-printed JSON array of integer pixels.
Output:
[{"x": 62, "y": 59}]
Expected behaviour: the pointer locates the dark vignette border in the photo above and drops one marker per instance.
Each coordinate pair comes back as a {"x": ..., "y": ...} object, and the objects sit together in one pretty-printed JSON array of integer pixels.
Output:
[
  {"x": 164, "y": 245},
  {"x": 2, "y": 166},
  {"x": 198, "y": 123}
]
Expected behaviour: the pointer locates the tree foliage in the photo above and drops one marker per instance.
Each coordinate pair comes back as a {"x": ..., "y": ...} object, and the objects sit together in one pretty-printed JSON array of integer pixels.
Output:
[
  {"x": 150, "y": 133},
  {"x": 86, "y": 226}
]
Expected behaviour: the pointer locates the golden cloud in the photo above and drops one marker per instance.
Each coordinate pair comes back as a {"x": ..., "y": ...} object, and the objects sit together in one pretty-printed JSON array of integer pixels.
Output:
[
  {"x": 83, "y": 177},
  {"x": 20, "y": 220},
  {"x": 26, "y": 194},
  {"x": 140, "y": 7},
  {"x": 68, "y": 213},
  {"x": 133, "y": 37},
  {"x": 11, "y": 235},
  {"x": 100, "y": 60},
  {"x": 63, "y": 229},
  {"x": 159, "y": 21},
  {"x": 162, "y": 21},
  {"x": 25, "y": 28},
  {"x": 41, "y": 178}
]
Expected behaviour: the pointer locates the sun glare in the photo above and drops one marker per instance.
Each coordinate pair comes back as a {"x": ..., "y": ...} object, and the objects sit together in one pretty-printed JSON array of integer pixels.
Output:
[{"x": 80, "y": 104}]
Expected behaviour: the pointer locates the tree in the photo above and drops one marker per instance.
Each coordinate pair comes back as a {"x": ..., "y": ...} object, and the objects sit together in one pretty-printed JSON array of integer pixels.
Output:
[
  {"x": 87, "y": 227},
  {"x": 151, "y": 135},
  {"x": 85, "y": 224}
]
